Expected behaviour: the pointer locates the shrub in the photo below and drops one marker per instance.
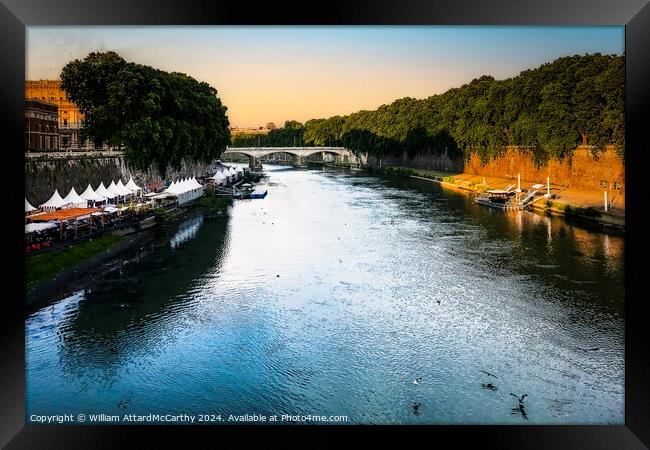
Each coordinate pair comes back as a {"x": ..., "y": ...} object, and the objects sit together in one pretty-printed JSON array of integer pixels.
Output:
[{"x": 160, "y": 215}]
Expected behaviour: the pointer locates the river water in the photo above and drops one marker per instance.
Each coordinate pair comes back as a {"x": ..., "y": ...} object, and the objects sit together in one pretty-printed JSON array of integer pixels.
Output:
[{"x": 330, "y": 297}]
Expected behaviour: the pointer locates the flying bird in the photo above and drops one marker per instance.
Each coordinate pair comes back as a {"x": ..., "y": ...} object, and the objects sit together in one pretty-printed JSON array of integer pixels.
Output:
[
  {"x": 489, "y": 374},
  {"x": 521, "y": 400},
  {"x": 521, "y": 409},
  {"x": 592, "y": 349}
]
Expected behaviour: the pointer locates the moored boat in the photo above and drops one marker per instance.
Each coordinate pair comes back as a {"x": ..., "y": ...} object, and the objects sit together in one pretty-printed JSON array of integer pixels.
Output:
[{"x": 498, "y": 198}]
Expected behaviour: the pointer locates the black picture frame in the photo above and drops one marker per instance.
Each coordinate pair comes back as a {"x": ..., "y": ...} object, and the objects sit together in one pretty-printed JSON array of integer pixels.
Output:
[{"x": 15, "y": 15}]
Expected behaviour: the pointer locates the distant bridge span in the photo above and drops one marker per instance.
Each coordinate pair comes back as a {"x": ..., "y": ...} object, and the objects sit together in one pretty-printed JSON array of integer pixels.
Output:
[{"x": 255, "y": 154}]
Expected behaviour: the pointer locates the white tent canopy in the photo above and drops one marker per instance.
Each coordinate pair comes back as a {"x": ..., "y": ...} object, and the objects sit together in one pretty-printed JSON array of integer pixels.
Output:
[
  {"x": 75, "y": 199},
  {"x": 219, "y": 177},
  {"x": 132, "y": 186},
  {"x": 91, "y": 195},
  {"x": 54, "y": 202},
  {"x": 103, "y": 192},
  {"x": 185, "y": 190},
  {"x": 123, "y": 190},
  {"x": 113, "y": 190},
  {"x": 28, "y": 206},
  {"x": 32, "y": 227}
]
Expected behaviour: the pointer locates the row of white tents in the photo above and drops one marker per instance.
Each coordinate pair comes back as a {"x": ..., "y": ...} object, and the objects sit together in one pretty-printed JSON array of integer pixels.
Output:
[
  {"x": 101, "y": 194},
  {"x": 185, "y": 190},
  {"x": 227, "y": 175}
]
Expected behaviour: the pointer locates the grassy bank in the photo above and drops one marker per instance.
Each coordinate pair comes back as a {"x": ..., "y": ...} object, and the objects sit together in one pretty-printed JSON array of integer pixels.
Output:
[
  {"x": 39, "y": 268},
  {"x": 568, "y": 210}
]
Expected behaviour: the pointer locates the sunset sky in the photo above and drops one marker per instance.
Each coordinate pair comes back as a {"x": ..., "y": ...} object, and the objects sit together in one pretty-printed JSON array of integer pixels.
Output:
[{"x": 272, "y": 74}]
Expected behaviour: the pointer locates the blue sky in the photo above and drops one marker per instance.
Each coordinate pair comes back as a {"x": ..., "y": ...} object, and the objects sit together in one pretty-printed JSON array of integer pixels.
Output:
[{"x": 279, "y": 73}]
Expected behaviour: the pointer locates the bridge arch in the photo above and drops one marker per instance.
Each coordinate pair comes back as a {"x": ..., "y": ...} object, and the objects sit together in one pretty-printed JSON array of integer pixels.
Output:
[{"x": 255, "y": 154}]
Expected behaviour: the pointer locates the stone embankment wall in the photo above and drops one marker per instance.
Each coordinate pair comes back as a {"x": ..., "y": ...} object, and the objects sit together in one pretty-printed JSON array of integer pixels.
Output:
[
  {"x": 44, "y": 174},
  {"x": 423, "y": 160},
  {"x": 581, "y": 171}
]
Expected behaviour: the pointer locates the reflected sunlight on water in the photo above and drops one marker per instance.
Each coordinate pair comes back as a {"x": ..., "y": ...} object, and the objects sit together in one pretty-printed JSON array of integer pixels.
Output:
[{"x": 330, "y": 296}]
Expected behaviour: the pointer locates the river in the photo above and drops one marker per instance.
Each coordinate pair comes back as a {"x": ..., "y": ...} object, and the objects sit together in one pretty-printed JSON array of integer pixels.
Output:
[{"x": 331, "y": 296}]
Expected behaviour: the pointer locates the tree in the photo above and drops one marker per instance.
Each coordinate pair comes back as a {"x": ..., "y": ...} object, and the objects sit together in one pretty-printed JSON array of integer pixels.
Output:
[
  {"x": 544, "y": 112},
  {"x": 161, "y": 118}
]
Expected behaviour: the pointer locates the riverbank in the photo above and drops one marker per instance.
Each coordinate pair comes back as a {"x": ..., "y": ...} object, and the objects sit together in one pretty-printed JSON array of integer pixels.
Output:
[
  {"x": 39, "y": 268},
  {"x": 58, "y": 271},
  {"x": 55, "y": 273},
  {"x": 583, "y": 205},
  {"x": 368, "y": 273}
]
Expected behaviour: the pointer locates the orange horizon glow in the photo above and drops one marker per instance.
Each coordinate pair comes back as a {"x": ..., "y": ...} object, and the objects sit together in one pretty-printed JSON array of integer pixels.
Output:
[{"x": 275, "y": 74}]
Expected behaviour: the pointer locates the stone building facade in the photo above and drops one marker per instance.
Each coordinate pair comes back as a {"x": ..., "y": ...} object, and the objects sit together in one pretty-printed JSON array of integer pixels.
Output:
[
  {"x": 41, "y": 126},
  {"x": 69, "y": 117}
]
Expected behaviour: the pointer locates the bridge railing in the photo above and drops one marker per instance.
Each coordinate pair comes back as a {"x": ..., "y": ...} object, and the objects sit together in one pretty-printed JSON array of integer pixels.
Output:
[{"x": 282, "y": 149}]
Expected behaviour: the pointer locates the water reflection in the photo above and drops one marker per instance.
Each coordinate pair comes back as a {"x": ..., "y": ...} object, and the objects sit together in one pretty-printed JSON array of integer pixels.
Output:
[
  {"x": 133, "y": 311},
  {"x": 186, "y": 231},
  {"x": 333, "y": 294}
]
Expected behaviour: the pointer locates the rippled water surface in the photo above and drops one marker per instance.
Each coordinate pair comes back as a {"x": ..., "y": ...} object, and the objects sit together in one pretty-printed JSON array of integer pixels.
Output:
[{"x": 330, "y": 296}]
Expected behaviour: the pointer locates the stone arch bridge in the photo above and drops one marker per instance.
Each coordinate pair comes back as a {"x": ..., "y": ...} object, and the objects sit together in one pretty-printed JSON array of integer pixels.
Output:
[{"x": 298, "y": 154}]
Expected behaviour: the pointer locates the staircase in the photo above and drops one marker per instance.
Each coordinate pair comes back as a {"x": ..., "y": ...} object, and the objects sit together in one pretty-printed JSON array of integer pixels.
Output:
[
  {"x": 525, "y": 201},
  {"x": 528, "y": 198}
]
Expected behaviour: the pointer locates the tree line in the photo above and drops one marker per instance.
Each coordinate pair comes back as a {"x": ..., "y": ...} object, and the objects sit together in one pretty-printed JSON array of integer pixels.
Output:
[
  {"x": 547, "y": 111},
  {"x": 160, "y": 118}
]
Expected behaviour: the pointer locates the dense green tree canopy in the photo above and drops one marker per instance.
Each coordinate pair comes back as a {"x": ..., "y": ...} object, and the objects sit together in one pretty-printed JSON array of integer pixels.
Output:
[
  {"x": 290, "y": 135},
  {"x": 161, "y": 118},
  {"x": 547, "y": 111}
]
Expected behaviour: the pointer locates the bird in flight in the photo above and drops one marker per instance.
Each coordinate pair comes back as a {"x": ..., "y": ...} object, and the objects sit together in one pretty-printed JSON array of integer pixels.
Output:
[
  {"x": 489, "y": 374},
  {"x": 521, "y": 409},
  {"x": 521, "y": 400}
]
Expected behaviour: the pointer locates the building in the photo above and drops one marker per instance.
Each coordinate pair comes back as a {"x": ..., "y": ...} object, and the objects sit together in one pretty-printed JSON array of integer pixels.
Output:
[
  {"x": 248, "y": 130},
  {"x": 41, "y": 125},
  {"x": 69, "y": 117}
]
